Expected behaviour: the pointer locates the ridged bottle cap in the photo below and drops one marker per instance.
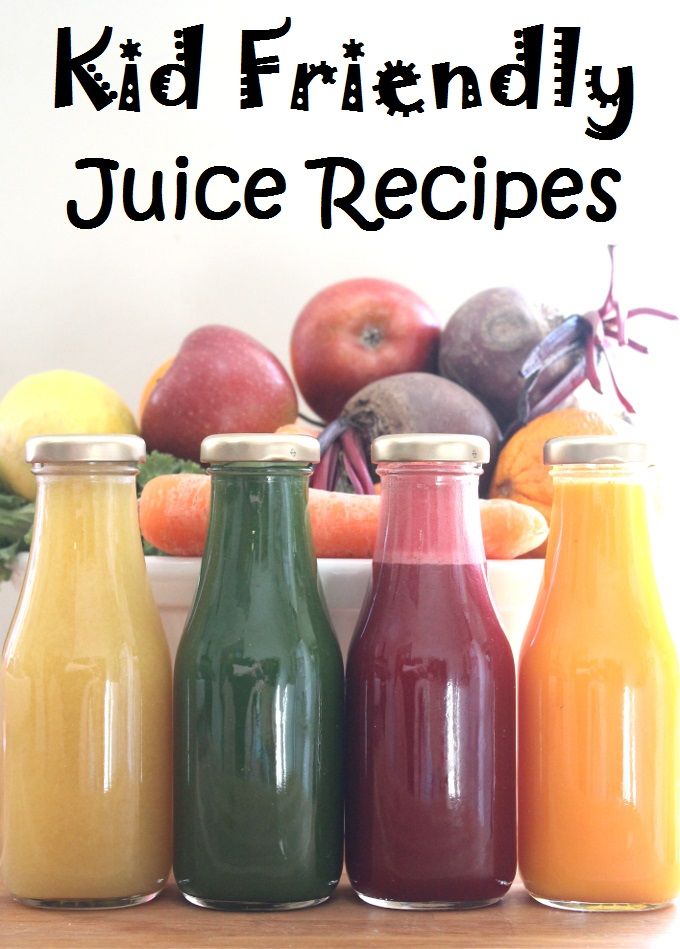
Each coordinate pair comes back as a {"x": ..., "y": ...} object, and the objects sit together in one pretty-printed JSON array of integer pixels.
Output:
[
  {"x": 595, "y": 450},
  {"x": 430, "y": 447},
  {"x": 294, "y": 449},
  {"x": 62, "y": 449}
]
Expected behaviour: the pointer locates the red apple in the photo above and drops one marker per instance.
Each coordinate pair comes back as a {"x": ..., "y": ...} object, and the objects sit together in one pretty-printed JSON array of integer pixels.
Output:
[
  {"x": 221, "y": 380},
  {"x": 356, "y": 332}
]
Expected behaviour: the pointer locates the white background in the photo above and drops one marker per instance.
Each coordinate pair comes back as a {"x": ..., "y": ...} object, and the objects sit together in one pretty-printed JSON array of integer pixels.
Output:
[{"x": 117, "y": 301}]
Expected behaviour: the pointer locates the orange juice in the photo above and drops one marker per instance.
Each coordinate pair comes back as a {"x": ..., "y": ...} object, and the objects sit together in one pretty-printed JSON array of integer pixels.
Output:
[
  {"x": 599, "y": 716},
  {"x": 85, "y": 688}
]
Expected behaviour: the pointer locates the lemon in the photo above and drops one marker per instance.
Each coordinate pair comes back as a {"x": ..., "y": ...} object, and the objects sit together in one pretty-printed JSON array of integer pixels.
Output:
[{"x": 60, "y": 402}]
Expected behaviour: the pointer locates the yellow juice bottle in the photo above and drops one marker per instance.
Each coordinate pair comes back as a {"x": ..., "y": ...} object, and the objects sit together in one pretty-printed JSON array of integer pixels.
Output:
[
  {"x": 85, "y": 688},
  {"x": 599, "y": 713}
]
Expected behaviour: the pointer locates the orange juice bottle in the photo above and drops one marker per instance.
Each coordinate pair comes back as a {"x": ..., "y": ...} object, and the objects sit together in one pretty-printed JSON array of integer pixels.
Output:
[
  {"x": 85, "y": 692},
  {"x": 599, "y": 708}
]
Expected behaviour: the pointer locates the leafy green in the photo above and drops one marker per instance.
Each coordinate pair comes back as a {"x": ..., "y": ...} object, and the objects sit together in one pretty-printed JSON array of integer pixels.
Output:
[
  {"x": 16, "y": 524},
  {"x": 160, "y": 463},
  {"x": 16, "y": 513}
]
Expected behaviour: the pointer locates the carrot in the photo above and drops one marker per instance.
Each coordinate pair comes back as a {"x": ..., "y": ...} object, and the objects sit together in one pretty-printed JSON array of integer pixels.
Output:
[
  {"x": 174, "y": 511},
  {"x": 346, "y": 525},
  {"x": 511, "y": 529},
  {"x": 343, "y": 525}
]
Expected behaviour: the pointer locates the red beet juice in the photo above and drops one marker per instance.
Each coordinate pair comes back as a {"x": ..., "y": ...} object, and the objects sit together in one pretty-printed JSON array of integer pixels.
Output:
[{"x": 430, "y": 706}]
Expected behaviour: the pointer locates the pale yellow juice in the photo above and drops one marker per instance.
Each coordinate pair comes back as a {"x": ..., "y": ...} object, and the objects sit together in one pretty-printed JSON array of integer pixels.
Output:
[{"x": 86, "y": 689}]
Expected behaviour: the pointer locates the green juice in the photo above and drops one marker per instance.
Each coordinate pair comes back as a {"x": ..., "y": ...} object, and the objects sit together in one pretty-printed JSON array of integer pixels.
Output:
[{"x": 258, "y": 705}]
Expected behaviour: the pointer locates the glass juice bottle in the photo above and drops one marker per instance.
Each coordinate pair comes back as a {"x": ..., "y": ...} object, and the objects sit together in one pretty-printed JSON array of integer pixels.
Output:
[
  {"x": 86, "y": 691},
  {"x": 430, "y": 693},
  {"x": 258, "y": 693},
  {"x": 599, "y": 728}
]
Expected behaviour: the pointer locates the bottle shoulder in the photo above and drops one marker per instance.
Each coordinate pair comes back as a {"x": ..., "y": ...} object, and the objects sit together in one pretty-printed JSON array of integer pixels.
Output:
[
  {"x": 462, "y": 634},
  {"x": 219, "y": 628},
  {"x": 86, "y": 621},
  {"x": 110, "y": 650},
  {"x": 580, "y": 639}
]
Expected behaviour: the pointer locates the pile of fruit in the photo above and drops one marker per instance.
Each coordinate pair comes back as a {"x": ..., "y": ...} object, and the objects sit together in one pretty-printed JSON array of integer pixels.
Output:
[{"x": 369, "y": 358}]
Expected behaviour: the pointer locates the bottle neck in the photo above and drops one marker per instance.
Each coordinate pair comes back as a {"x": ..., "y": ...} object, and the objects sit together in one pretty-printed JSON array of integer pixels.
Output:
[
  {"x": 258, "y": 522},
  {"x": 599, "y": 519},
  {"x": 85, "y": 513},
  {"x": 430, "y": 514}
]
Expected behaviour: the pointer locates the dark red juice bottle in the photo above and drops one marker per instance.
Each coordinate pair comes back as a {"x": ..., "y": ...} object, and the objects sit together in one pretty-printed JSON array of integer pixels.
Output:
[{"x": 430, "y": 694}]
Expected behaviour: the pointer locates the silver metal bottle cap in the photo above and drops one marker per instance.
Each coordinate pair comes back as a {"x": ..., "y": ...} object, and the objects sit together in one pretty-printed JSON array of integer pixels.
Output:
[
  {"x": 59, "y": 449},
  {"x": 294, "y": 449},
  {"x": 595, "y": 450},
  {"x": 430, "y": 447}
]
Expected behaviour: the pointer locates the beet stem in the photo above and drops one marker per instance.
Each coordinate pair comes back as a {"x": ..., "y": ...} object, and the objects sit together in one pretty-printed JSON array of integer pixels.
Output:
[
  {"x": 325, "y": 473},
  {"x": 333, "y": 460},
  {"x": 593, "y": 333},
  {"x": 651, "y": 311},
  {"x": 356, "y": 462},
  {"x": 336, "y": 436},
  {"x": 567, "y": 384},
  {"x": 567, "y": 334},
  {"x": 331, "y": 433},
  {"x": 354, "y": 478}
]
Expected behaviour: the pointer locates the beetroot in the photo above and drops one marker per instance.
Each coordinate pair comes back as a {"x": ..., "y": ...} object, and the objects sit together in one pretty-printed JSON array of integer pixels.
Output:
[
  {"x": 418, "y": 402},
  {"x": 412, "y": 402},
  {"x": 485, "y": 343}
]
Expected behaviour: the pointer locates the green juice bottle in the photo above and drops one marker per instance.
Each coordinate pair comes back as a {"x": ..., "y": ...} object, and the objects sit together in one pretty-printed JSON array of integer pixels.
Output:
[{"x": 258, "y": 693}]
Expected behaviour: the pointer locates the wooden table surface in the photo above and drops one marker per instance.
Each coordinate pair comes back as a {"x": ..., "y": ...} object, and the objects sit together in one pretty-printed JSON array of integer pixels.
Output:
[{"x": 169, "y": 921}]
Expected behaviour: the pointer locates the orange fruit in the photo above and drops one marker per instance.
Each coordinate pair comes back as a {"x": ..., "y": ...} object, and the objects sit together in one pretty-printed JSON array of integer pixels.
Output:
[
  {"x": 297, "y": 428},
  {"x": 520, "y": 473},
  {"x": 155, "y": 377}
]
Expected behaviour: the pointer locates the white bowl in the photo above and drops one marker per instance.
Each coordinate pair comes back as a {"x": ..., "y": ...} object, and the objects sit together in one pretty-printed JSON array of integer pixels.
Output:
[{"x": 513, "y": 583}]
